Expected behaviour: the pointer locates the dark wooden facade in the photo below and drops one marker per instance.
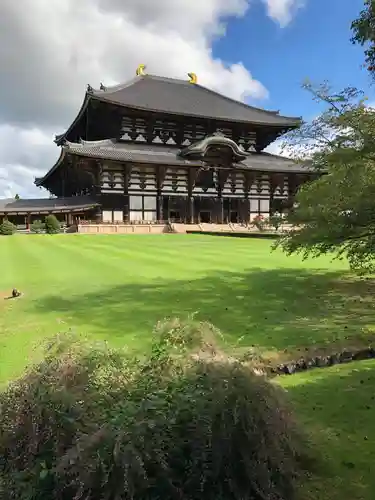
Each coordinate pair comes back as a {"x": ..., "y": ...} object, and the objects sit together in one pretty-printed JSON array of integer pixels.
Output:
[{"x": 148, "y": 164}]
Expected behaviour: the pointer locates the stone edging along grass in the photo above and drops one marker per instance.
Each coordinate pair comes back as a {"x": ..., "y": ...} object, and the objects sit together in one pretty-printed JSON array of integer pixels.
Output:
[{"x": 308, "y": 363}]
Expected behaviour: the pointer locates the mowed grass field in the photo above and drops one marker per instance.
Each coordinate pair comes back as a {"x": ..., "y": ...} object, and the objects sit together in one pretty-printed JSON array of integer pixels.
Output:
[{"x": 115, "y": 288}]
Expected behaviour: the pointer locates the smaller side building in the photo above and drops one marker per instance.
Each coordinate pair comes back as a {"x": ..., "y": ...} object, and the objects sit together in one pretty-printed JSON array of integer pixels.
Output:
[{"x": 23, "y": 212}]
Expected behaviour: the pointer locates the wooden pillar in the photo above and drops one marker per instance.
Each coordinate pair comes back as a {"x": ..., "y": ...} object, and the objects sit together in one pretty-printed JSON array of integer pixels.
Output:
[
  {"x": 247, "y": 208},
  {"x": 160, "y": 177},
  {"x": 158, "y": 206},
  {"x": 190, "y": 209},
  {"x": 98, "y": 216},
  {"x": 126, "y": 177},
  {"x": 250, "y": 179},
  {"x": 27, "y": 222},
  {"x": 221, "y": 210},
  {"x": 165, "y": 208},
  {"x": 223, "y": 175},
  {"x": 220, "y": 214}
]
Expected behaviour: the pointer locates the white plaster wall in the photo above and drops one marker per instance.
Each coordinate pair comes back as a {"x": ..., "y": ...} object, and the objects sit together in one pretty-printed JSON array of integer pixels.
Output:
[
  {"x": 135, "y": 216},
  {"x": 107, "y": 215},
  {"x": 118, "y": 215},
  {"x": 264, "y": 207},
  {"x": 135, "y": 202},
  {"x": 150, "y": 203},
  {"x": 150, "y": 216}
]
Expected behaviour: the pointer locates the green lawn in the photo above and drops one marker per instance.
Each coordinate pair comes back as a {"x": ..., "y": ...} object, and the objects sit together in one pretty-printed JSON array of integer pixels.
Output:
[
  {"x": 337, "y": 406},
  {"x": 117, "y": 287}
]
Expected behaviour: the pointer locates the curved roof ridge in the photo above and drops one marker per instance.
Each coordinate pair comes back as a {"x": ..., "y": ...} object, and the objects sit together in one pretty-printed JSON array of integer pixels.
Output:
[
  {"x": 139, "y": 93},
  {"x": 179, "y": 81},
  {"x": 121, "y": 86},
  {"x": 100, "y": 142},
  {"x": 39, "y": 180},
  {"x": 244, "y": 104},
  {"x": 117, "y": 87},
  {"x": 60, "y": 138}
]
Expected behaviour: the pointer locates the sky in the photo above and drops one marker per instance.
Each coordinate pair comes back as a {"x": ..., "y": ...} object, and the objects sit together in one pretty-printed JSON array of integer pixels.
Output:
[{"x": 258, "y": 51}]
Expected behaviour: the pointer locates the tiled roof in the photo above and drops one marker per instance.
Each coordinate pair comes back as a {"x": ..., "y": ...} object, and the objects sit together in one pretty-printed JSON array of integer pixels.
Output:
[
  {"x": 44, "y": 204},
  {"x": 111, "y": 149},
  {"x": 160, "y": 154},
  {"x": 180, "y": 97}
]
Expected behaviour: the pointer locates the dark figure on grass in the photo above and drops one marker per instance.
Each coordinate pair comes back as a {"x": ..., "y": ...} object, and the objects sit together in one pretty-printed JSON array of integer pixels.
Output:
[{"x": 15, "y": 293}]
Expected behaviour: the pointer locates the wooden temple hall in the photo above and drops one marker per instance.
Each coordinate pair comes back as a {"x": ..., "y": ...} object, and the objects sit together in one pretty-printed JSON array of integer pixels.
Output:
[{"x": 159, "y": 149}]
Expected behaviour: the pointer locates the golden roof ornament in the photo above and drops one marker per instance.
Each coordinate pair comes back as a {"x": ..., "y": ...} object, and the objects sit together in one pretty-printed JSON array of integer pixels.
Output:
[
  {"x": 193, "y": 78},
  {"x": 141, "y": 70}
]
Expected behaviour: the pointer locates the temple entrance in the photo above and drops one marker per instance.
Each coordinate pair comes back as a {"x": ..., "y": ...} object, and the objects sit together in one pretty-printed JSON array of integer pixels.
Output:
[
  {"x": 205, "y": 216},
  {"x": 174, "y": 216},
  {"x": 233, "y": 216}
]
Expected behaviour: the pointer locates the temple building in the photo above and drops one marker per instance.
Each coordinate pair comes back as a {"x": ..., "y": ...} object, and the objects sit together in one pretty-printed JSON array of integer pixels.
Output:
[{"x": 159, "y": 149}]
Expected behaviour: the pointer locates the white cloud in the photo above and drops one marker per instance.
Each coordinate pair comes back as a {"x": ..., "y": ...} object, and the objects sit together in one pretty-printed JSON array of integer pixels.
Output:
[
  {"x": 275, "y": 148},
  {"x": 282, "y": 11},
  {"x": 51, "y": 49},
  {"x": 24, "y": 155}
]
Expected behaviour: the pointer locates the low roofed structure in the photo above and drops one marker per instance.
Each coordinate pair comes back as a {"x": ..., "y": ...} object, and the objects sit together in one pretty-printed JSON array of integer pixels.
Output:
[{"x": 46, "y": 205}]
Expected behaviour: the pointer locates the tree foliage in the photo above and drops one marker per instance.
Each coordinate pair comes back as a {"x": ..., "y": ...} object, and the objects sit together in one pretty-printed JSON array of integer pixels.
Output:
[
  {"x": 7, "y": 228},
  {"x": 53, "y": 226},
  {"x": 363, "y": 30},
  {"x": 336, "y": 212},
  {"x": 37, "y": 227}
]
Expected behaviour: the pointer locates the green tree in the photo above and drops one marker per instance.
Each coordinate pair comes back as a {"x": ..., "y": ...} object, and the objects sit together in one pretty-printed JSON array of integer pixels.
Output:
[
  {"x": 37, "y": 226},
  {"x": 363, "y": 30},
  {"x": 336, "y": 213},
  {"x": 53, "y": 226},
  {"x": 7, "y": 228}
]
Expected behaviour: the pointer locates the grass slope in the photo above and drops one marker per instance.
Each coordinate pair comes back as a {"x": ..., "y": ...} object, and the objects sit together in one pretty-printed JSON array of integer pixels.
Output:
[
  {"x": 337, "y": 405},
  {"x": 116, "y": 288}
]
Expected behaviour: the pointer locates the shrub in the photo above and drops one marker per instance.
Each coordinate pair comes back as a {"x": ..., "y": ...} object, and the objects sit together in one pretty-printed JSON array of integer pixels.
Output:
[
  {"x": 94, "y": 423},
  {"x": 37, "y": 226},
  {"x": 259, "y": 222},
  {"x": 7, "y": 228},
  {"x": 52, "y": 225},
  {"x": 276, "y": 220}
]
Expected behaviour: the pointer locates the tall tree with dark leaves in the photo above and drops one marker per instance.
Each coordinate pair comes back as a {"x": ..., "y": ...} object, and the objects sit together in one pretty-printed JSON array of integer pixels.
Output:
[
  {"x": 363, "y": 30},
  {"x": 336, "y": 213}
]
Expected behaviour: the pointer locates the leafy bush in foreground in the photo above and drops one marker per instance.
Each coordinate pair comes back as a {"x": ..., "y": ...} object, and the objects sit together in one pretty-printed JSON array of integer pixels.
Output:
[
  {"x": 7, "y": 228},
  {"x": 97, "y": 424}
]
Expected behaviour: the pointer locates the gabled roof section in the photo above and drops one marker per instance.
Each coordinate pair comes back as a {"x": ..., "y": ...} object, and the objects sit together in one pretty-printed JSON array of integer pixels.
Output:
[
  {"x": 60, "y": 138},
  {"x": 115, "y": 150},
  {"x": 217, "y": 140},
  {"x": 180, "y": 97}
]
